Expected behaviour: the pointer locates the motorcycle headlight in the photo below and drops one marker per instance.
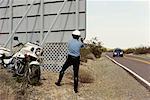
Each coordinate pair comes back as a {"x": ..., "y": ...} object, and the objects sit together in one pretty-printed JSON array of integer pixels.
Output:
[{"x": 38, "y": 52}]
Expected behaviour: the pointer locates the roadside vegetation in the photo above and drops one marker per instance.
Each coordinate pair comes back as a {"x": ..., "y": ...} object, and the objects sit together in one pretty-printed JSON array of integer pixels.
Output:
[
  {"x": 138, "y": 50},
  {"x": 10, "y": 89},
  {"x": 92, "y": 50}
]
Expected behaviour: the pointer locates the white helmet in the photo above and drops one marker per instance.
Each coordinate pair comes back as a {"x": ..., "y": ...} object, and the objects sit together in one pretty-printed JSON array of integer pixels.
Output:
[{"x": 76, "y": 32}]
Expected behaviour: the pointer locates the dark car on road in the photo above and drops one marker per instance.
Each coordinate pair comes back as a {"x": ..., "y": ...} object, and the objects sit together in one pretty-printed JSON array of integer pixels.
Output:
[{"x": 118, "y": 52}]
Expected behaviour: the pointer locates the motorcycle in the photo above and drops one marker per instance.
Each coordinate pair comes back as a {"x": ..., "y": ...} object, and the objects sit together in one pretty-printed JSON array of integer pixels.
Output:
[{"x": 25, "y": 62}]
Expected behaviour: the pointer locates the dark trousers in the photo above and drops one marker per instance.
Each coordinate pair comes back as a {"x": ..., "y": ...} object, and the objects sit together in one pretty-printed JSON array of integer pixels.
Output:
[{"x": 75, "y": 61}]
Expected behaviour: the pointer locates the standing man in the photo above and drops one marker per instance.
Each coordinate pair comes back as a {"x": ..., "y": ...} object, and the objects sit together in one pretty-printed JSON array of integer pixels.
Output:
[{"x": 73, "y": 58}]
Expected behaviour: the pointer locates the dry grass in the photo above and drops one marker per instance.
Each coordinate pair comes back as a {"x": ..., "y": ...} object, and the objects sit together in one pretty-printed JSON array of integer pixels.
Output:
[
  {"x": 6, "y": 85},
  {"x": 10, "y": 89},
  {"x": 86, "y": 75}
]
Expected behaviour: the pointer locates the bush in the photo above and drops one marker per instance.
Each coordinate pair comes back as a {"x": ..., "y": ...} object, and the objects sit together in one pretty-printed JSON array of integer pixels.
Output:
[
  {"x": 92, "y": 50},
  {"x": 84, "y": 53},
  {"x": 139, "y": 50},
  {"x": 130, "y": 50},
  {"x": 142, "y": 50},
  {"x": 104, "y": 49},
  {"x": 96, "y": 49},
  {"x": 85, "y": 75}
]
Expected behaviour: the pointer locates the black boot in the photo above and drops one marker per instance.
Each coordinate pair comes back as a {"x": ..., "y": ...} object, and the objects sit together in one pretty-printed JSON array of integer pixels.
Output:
[
  {"x": 58, "y": 84},
  {"x": 60, "y": 78},
  {"x": 76, "y": 90},
  {"x": 76, "y": 84}
]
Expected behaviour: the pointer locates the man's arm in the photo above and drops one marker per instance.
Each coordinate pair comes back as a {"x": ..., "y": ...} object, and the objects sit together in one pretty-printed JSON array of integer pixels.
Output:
[{"x": 82, "y": 41}]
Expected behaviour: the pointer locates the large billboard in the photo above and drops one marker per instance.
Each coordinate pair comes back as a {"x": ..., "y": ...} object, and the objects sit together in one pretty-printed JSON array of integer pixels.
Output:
[{"x": 30, "y": 27}]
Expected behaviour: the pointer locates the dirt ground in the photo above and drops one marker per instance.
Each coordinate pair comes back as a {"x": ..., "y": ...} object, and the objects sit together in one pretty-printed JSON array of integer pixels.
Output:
[{"x": 109, "y": 82}]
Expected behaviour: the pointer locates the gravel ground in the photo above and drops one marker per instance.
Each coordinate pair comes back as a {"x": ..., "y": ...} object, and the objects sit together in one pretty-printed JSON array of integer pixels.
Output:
[{"x": 110, "y": 82}]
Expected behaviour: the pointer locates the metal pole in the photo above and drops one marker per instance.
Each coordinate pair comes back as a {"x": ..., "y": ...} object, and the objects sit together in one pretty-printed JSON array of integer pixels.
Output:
[
  {"x": 58, "y": 13},
  {"x": 85, "y": 19},
  {"x": 11, "y": 24},
  {"x": 42, "y": 21},
  {"x": 26, "y": 18},
  {"x": 18, "y": 24},
  {"x": 77, "y": 14}
]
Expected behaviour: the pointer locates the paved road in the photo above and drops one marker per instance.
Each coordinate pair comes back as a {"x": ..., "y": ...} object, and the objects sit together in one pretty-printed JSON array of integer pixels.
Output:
[{"x": 138, "y": 65}]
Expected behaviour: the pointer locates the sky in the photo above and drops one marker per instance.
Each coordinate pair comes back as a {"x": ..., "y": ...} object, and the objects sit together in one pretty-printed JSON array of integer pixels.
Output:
[{"x": 119, "y": 23}]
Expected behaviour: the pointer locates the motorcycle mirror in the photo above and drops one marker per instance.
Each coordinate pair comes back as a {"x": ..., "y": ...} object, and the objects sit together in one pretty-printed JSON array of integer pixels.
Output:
[{"x": 16, "y": 38}]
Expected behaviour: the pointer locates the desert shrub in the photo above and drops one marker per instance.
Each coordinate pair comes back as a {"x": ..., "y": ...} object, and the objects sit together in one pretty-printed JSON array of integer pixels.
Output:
[
  {"x": 139, "y": 50},
  {"x": 96, "y": 49},
  {"x": 92, "y": 50},
  {"x": 86, "y": 75},
  {"x": 91, "y": 56},
  {"x": 104, "y": 49},
  {"x": 84, "y": 53},
  {"x": 130, "y": 50},
  {"x": 142, "y": 50}
]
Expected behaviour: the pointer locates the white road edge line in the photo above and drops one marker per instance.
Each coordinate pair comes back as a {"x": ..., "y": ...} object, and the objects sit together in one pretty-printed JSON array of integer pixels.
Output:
[{"x": 133, "y": 73}]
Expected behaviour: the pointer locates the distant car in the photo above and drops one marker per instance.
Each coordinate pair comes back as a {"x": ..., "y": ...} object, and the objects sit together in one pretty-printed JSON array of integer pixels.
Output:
[{"x": 118, "y": 52}]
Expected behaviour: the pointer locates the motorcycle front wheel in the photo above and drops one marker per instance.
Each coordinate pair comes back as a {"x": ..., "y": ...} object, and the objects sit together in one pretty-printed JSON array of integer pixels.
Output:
[{"x": 34, "y": 74}]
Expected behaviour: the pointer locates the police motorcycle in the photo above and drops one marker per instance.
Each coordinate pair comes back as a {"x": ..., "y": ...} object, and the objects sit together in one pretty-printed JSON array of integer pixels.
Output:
[{"x": 25, "y": 62}]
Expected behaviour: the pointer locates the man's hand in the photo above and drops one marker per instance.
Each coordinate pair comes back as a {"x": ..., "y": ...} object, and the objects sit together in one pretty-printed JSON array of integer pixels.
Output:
[{"x": 81, "y": 39}]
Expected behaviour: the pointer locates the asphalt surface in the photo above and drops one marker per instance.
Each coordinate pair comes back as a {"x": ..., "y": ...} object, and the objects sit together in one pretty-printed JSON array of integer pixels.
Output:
[{"x": 138, "y": 65}]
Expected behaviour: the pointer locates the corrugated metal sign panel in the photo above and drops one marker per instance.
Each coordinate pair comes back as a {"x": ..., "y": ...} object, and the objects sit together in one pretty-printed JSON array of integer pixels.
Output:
[{"x": 61, "y": 32}]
